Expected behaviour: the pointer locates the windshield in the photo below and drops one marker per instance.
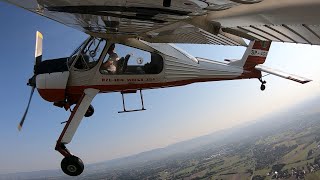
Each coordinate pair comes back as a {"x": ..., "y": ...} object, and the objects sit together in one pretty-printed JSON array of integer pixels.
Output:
[
  {"x": 76, "y": 52},
  {"x": 88, "y": 55}
]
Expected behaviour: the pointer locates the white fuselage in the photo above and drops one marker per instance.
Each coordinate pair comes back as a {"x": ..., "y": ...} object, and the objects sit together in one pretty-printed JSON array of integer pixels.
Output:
[{"x": 179, "y": 68}]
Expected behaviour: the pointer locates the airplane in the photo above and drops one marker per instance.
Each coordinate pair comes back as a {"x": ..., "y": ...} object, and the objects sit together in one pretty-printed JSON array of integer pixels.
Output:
[{"x": 129, "y": 49}]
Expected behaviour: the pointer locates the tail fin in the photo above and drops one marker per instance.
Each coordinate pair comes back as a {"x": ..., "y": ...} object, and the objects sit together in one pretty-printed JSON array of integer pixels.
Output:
[{"x": 256, "y": 53}]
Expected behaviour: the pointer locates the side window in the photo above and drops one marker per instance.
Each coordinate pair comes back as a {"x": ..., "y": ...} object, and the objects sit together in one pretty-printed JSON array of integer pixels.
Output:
[
  {"x": 122, "y": 59},
  {"x": 90, "y": 55}
]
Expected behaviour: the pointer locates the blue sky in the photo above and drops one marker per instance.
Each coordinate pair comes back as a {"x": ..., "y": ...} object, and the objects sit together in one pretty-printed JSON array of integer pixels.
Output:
[{"x": 173, "y": 114}]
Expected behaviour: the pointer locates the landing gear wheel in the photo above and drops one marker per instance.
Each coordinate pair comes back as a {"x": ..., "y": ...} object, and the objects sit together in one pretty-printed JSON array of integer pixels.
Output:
[
  {"x": 89, "y": 112},
  {"x": 263, "y": 86},
  {"x": 72, "y": 165}
]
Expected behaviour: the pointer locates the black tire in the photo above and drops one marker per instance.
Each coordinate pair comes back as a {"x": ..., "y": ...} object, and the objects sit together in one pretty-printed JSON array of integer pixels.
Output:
[
  {"x": 89, "y": 112},
  {"x": 72, "y": 166},
  {"x": 262, "y": 87}
]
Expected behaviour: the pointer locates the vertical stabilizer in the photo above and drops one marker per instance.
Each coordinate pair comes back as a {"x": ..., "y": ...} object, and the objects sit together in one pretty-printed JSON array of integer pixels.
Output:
[{"x": 256, "y": 53}]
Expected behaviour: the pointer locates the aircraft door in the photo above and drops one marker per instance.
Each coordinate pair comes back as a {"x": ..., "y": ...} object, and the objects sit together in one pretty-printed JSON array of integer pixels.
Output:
[{"x": 83, "y": 63}]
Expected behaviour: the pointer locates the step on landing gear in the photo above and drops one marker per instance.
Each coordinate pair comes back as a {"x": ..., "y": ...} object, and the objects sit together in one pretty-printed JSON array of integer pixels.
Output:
[
  {"x": 263, "y": 86},
  {"x": 123, "y": 102}
]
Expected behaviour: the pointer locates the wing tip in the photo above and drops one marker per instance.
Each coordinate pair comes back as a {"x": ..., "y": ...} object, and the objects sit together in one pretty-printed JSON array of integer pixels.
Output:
[
  {"x": 306, "y": 81},
  {"x": 302, "y": 81}
]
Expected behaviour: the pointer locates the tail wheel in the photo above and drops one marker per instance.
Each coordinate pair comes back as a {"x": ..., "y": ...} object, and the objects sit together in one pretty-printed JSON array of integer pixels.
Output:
[
  {"x": 72, "y": 166},
  {"x": 263, "y": 86},
  {"x": 89, "y": 112}
]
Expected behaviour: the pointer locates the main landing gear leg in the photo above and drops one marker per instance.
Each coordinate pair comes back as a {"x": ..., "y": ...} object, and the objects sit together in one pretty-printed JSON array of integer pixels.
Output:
[
  {"x": 263, "y": 86},
  {"x": 72, "y": 165}
]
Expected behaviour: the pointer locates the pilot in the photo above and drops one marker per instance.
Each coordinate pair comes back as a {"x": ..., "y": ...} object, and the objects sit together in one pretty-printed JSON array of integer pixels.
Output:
[{"x": 111, "y": 64}]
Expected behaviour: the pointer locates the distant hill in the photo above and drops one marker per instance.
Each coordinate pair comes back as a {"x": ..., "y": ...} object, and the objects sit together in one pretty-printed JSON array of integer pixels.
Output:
[
  {"x": 257, "y": 128},
  {"x": 245, "y": 132}
]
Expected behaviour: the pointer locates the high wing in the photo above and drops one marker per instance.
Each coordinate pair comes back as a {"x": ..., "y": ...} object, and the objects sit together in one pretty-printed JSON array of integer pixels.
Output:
[
  {"x": 222, "y": 22},
  {"x": 145, "y": 19}
]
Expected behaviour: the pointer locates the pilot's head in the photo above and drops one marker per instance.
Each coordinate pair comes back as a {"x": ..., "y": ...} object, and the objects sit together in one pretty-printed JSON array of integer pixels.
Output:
[{"x": 111, "y": 48}]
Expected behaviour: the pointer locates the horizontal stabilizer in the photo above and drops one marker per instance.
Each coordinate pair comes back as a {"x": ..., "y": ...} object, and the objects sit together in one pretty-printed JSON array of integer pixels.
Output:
[
  {"x": 231, "y": 60},
  {"x": 275, "y": 72}
]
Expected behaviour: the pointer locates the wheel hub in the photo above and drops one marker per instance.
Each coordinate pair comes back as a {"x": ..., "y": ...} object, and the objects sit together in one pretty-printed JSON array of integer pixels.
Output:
[{"x": 72, "y": 168}]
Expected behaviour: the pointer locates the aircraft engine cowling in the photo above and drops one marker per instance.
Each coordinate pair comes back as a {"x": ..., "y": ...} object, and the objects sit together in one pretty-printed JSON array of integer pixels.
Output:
[{"x": 52, "y": 86}]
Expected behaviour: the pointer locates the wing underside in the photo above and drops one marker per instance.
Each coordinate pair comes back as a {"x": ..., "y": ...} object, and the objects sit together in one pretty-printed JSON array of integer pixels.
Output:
[
  {"x": 293, "y": 21},
  {"x": 148, "y": 20},
  {"x": 221, "y": 22}
]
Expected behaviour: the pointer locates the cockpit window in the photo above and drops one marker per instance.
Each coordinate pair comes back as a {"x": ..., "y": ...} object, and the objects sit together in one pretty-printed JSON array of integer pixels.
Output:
[
  {"x": 75, "y": 53},
  {"x": 121, "y": 59},
  {"x": 90, "y": 54}
]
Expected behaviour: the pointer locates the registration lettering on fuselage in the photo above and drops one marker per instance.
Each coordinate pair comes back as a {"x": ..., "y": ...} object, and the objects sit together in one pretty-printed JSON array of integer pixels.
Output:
[
  {"x": 259, "y": 53},
  {"x": 127, "y": 79}
]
